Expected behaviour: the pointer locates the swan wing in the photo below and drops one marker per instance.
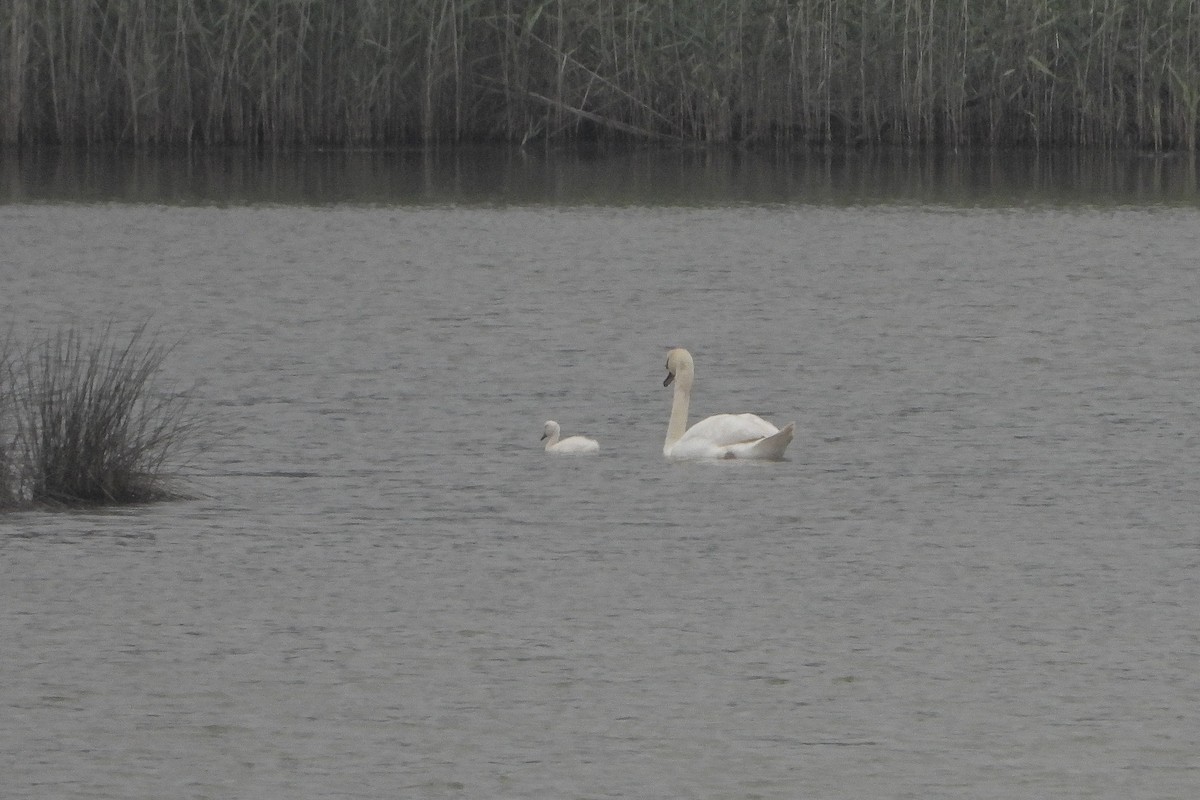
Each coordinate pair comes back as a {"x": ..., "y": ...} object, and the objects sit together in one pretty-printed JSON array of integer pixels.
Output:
[
  {"x": 729, "y": 429},
  {"x": 733, "y": 436},
  {"x": 769, "y": 448}
]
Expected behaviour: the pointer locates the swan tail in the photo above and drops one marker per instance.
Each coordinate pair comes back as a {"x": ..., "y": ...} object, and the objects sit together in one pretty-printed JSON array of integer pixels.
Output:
[{"x": 772, "y": 447}]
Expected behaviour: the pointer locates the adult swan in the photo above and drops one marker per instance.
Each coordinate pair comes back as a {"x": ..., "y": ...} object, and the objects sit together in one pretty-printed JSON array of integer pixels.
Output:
[{"x": 721, "y": 435}]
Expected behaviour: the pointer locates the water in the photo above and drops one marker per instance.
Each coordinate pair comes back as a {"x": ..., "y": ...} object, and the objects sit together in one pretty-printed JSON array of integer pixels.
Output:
[{"x": 974, "y": 578}]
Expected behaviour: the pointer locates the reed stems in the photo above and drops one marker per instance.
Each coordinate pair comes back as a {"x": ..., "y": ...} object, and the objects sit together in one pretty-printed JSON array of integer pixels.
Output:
[
  {"x": 274, "y": 73},
  {"x": 82, "y": 424},
  {"x": 9, "y": 476}
]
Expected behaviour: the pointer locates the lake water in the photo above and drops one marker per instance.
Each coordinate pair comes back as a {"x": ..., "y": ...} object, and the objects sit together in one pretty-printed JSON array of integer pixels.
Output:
[{"x": 976, "y": 576}]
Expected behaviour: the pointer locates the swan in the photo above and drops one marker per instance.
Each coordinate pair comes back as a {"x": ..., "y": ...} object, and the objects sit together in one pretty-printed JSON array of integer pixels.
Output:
[
  {"x": 721, "y": 435},
  {"x": 570, "y": 445}
]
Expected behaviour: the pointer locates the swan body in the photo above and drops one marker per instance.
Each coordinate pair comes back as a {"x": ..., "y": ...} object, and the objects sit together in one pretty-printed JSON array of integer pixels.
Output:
[
  {"x": 721, "y": 435},
  {"x": 572, "y": 445}
]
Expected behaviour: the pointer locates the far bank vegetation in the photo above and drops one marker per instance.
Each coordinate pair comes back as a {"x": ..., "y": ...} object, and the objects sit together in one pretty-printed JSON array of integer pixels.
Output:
[{"x": 278, "y": 73}]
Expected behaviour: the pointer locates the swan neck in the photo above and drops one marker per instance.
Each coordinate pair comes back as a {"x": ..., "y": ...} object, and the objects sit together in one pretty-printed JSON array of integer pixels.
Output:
[{"x": 679, "y": 411}]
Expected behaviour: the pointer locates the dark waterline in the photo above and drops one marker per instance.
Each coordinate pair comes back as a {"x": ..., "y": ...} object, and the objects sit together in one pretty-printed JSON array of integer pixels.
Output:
[{"x": 641, "y": 176}]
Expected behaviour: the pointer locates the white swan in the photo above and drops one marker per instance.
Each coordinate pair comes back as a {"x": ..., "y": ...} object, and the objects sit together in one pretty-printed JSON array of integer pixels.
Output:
[
  {"x": 571, "y": 445},
  {"x": 721, "y": 435}
]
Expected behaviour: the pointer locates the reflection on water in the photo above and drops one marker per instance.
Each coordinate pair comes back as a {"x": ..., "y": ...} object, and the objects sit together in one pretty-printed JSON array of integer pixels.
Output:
[{"x": 649, "y": 176}]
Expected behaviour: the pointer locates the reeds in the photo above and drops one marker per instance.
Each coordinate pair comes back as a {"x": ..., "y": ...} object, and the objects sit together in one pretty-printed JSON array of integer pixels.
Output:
[
  {"x": 82, "y": 424},
  {"x": 9, "y": 480},
  {"x": 274, "y": 73}
]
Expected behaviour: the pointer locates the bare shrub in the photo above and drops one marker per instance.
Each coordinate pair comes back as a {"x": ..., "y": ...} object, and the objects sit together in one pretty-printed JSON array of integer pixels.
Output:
[{"x": 90, "y": 427}]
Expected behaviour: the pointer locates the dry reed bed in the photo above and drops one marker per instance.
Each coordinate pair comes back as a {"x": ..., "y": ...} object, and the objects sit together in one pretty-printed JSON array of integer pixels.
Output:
[
  {"x": 81, "y": 422},
  {"x": 1107, "y": 73}
]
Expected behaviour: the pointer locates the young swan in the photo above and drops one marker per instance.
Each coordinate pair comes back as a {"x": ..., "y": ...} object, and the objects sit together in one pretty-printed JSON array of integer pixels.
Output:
[
  {"x": 721, "y": 435},
  {"x": 572, "y": 445}
]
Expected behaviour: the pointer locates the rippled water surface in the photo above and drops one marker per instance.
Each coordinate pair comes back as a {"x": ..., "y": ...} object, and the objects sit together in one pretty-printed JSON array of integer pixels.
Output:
[{"x": 975, "y": 576}]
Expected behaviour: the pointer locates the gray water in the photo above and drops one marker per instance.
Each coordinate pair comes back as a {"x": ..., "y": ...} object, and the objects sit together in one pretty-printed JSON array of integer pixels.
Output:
[{"x": 975, "y": 576}]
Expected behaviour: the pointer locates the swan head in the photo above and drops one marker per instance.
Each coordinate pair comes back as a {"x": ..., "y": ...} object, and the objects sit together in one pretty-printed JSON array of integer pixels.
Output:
[
  {"x": 551, "y": 428},
  {"x": 679, "y": 367}
]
